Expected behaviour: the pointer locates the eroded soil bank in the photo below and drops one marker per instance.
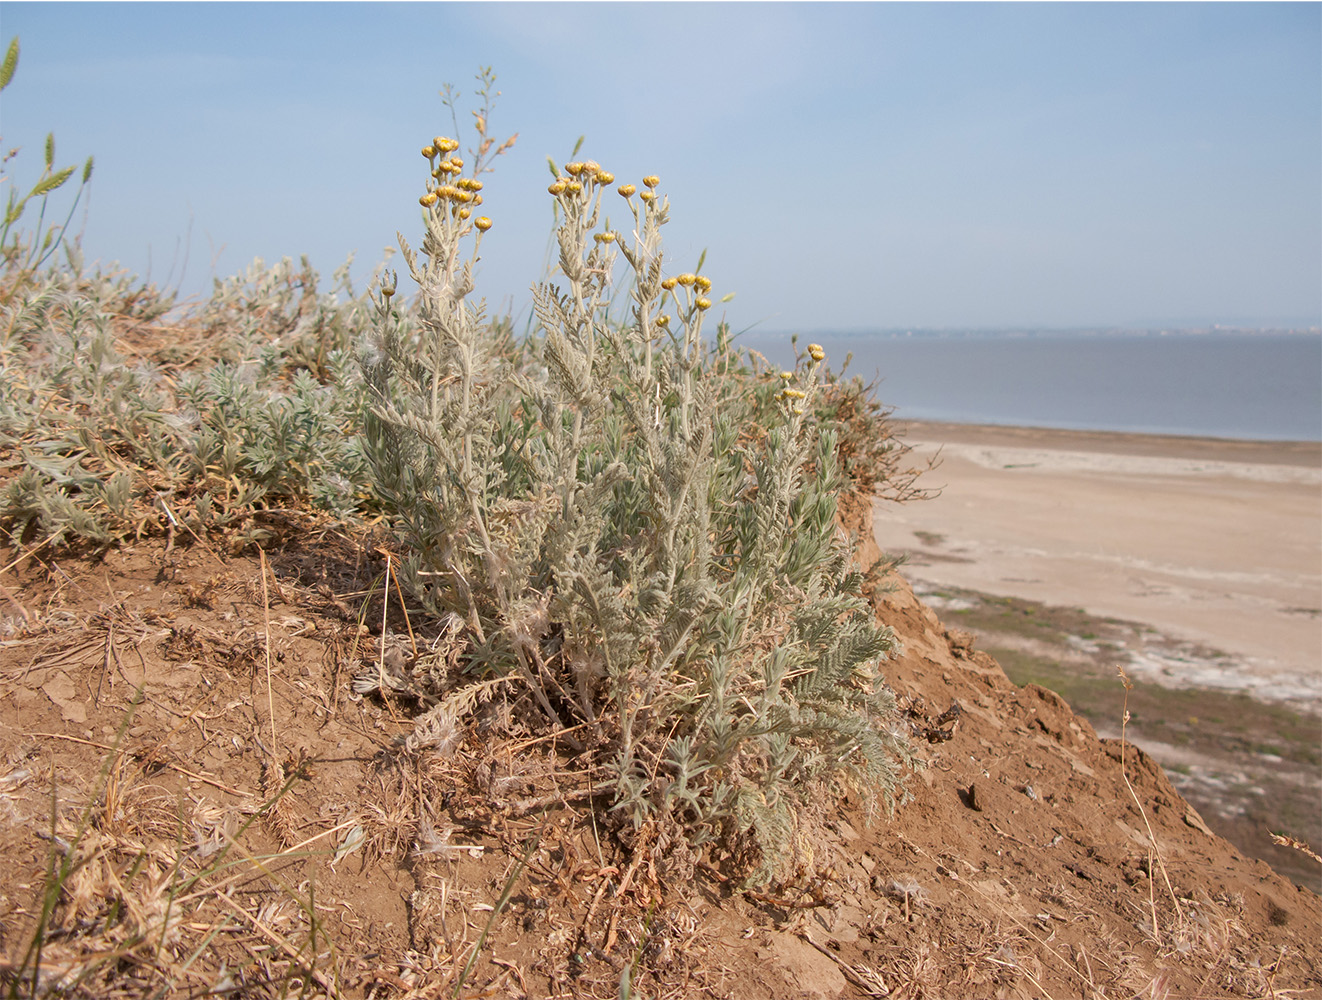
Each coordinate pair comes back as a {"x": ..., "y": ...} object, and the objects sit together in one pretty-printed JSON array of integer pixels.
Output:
[{"x": 254, "y": 825}]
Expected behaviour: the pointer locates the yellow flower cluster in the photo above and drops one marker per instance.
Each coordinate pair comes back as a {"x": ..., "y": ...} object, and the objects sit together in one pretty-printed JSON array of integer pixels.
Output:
[
  {"x": 699, "y": 281},
  {"x": 438, "y": 146},
  {"x": 460, "y": 192},
  {"x": 794, "y": 397},
  {"x": 788, "y": 394},
  {"x": 589, "y": 171},
  {"x": 629, "y": 190},
  {"x": 815, "y": 352},
  {"x": 580, "y": 176}
]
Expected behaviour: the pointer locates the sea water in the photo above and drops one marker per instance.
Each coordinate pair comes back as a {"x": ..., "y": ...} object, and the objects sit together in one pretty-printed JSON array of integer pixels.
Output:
[{"x": 1260, "y": 386}]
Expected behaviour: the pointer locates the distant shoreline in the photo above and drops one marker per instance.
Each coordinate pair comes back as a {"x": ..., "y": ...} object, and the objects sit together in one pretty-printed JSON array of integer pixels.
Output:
[
  {"x": 1303, "y": 454},
  {"x": 1234, "y": 386}
]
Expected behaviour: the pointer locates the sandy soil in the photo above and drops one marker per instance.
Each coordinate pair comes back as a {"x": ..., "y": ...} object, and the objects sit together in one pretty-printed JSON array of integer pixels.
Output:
[{"x": 1211, "y": 541}]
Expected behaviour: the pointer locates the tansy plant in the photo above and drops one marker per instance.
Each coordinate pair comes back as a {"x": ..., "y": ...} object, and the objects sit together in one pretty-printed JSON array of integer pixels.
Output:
[{"x": 636, "y": 528}]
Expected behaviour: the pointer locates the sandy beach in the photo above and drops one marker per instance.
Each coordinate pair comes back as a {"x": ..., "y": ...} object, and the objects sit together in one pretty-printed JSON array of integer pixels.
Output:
[{"x": 1214, "y": 542}]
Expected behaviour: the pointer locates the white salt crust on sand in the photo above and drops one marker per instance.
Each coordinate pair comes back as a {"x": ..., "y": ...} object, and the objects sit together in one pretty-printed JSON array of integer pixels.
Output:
[{"x": 1215, "y": 552}]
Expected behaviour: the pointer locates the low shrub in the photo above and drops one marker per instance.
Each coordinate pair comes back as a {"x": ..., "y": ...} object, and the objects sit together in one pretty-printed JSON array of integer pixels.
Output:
[
  {"x": 630, "y": 522},
  {"x": 637, "y": 524}
]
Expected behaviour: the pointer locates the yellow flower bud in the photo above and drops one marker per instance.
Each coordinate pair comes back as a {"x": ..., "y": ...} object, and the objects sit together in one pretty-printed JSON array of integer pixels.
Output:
[
  {"x": 647, "y": 195},
  {"x": 604, "y": 177},
  {"x": 703, "y": 303},
  {"x": 604, "y": 237},
  {"x": 458, "y": 163},
  {"x": 651, "y": 180},
  {"x": 441, "y": 143},
  {"x": 428, "y": 199},
  {"x": 575, "y": 187},
  {"x": 663, "y": 320},
  {"x": 815, "y": 352},
  {"x": 703, "y": 283},
  {"x": 687, "y": 279},
  {"x": 474, "y": 184},
  {"x": 793, "y": 393},
  {"x": 669, "y": 283},
  {"x": 429, "y": 151},
  {"x": 558, "y": 187},
  {"x": 626, "y": 190},
  {"x": 573, "y": 169},
  {"x": 465, "y": 213},
  {"x": 786, "y": 376},
  {"x": 463, "y": 197},
  {"x": 590, "y": 166},
  {"x": 482, "y": 223}
]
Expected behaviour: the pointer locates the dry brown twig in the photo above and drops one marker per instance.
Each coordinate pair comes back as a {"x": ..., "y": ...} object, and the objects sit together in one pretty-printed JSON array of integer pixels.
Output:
[
  {"x": 1284, "y": 840},
  {"x": 266, "y": 617}
]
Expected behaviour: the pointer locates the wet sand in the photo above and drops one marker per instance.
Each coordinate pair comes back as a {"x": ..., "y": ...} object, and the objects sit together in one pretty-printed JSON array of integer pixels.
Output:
[{"x": 1211, "y": 541}]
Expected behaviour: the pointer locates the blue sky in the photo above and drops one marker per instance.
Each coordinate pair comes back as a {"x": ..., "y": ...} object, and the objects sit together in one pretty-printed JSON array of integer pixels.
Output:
[{"x": 845, "y": 166}]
